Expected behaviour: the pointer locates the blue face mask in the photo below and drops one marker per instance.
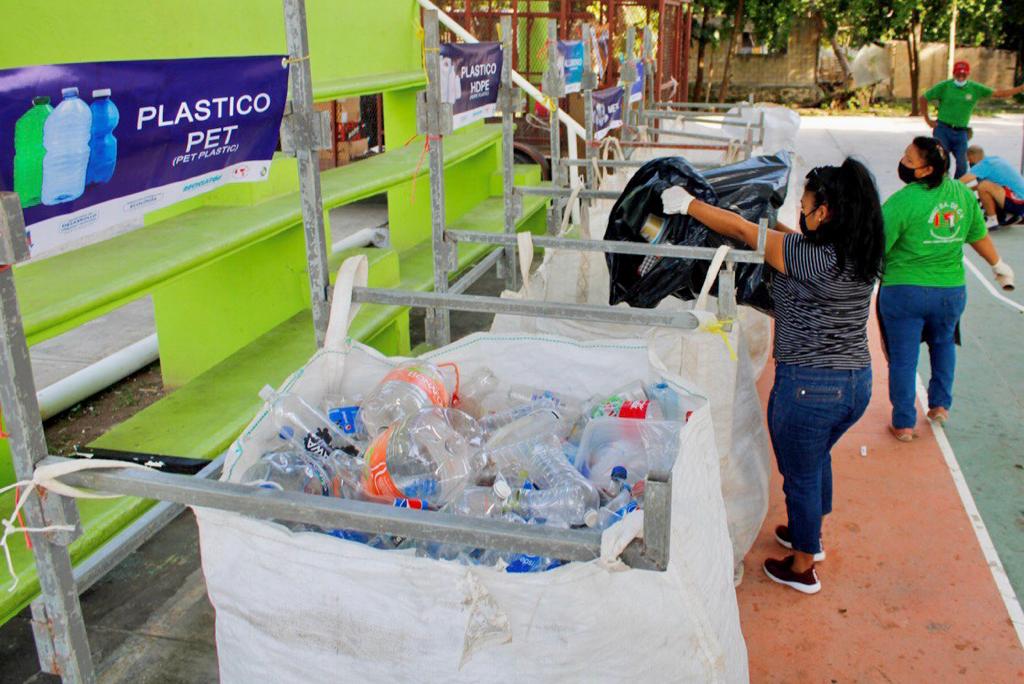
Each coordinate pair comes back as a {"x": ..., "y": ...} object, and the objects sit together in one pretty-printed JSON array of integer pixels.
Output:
[{"x": 959, "y": 83}]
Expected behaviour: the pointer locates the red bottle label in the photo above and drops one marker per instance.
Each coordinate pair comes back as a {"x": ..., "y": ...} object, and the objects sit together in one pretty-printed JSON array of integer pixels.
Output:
[{"x": 634, "y": 409}]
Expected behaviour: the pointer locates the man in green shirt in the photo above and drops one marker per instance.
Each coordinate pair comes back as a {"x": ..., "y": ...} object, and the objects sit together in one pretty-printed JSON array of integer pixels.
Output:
[{"x": 957, "y": 98}]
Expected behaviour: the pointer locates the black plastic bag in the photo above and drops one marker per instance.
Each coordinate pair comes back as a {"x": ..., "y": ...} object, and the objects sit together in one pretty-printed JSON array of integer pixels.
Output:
[{"x": 754, "y": 188}]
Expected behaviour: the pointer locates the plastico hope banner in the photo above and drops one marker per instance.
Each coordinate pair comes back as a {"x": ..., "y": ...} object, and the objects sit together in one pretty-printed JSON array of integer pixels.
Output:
[
  {"x": 470, "y": 76},
  {"x": 570, "y": 56},
  {"x": 607, "y": 111},
  {"x": 90, "y": 148}
]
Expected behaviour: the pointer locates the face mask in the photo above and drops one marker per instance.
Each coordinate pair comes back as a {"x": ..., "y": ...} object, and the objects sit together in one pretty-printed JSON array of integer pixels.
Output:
[
  {"x": 805, "y": 229},
  {"x": 906, "y": 173},
  {"x": 960, "y": 83}
]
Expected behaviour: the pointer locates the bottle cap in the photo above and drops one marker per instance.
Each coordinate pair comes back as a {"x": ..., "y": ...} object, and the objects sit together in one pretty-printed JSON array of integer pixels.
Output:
[
  {"x": 267, "y": 393},
  {"x": 590, "y": 518},
  {"x": 287, "y": 432},
  {"x": 41, "y": 100},
  {"x": 102, "y": 92},
  {"x": 619, "y": 473},
  {"x": 502, "y": 489},
  {"x": 69, "y": 92}
]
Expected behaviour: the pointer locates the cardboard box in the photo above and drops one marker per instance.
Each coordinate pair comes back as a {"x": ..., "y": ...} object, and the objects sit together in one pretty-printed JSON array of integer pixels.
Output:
[
  {"x": 329, "y": 157},
  {"x": 348, "y": 110},
  {"x": 352, "y": 149}
]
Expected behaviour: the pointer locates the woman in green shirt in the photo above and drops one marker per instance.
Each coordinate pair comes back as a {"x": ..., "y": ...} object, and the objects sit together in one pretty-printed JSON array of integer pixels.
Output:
[{"x": 923, "y": 293}]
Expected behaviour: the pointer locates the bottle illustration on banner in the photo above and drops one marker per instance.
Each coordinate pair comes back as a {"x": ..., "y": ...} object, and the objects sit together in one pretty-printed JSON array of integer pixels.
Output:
[
  {"x": 29, "y": 152},
  {"x": 102, "y": 143},
  {"x": 66, "y": 138}
]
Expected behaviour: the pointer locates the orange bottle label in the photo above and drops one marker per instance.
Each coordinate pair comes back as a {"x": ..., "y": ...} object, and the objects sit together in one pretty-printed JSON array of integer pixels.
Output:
[
  {"x": 414, "y": 375},
  {"x": 378, "y": 481}
]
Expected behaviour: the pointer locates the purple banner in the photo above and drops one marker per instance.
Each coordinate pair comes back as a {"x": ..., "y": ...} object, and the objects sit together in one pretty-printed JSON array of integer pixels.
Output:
[
  {"x": 607, "y": 111},
  {"x": 90, "y": 148},
  {"x": 470, "y": 76}
]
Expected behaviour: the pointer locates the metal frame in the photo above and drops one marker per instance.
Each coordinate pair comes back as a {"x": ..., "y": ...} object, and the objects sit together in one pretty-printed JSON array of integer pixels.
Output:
[{"x": 58, "y": 624}]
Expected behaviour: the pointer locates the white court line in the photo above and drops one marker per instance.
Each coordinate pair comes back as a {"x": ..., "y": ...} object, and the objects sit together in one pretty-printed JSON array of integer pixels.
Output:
[
  {"x": 995, "y": 565},
  {"x": 990, "y": 287}
]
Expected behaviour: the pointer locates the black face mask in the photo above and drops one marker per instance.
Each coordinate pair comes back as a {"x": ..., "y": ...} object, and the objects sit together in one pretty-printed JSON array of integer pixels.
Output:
[
  {"x": 906, "y": 173},
  {"x": 807, "y": 232}
]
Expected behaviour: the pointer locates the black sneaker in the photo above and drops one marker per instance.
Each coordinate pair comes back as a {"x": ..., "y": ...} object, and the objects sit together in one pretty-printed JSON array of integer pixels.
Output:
[
  {"x": 781, "y": 571},
  {"x": 786, "y": 542}
]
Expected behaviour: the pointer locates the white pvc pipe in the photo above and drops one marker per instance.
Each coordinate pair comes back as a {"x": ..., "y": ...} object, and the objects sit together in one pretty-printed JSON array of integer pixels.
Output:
[
  {"x": 69, "y": 391},
  {"x": 364, "y": 237}
]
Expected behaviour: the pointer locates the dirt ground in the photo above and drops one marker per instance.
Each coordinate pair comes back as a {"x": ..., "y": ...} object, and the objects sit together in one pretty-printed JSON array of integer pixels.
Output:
[{"x": 88, "y": 419}]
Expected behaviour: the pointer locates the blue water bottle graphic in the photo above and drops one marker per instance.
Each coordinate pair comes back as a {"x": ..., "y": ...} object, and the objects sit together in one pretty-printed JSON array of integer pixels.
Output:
[
  {"x": 66, "y": 139},
  {"x": 102, "y": 143}
]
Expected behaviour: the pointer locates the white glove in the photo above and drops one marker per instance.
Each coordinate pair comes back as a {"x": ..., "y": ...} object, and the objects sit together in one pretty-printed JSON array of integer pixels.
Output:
[
  {"x": 1004, "y": 275},
  {"x": 676, "y": 200}
]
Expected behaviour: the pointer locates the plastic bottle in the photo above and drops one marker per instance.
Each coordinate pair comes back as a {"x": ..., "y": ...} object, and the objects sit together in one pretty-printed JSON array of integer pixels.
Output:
[
  {"x": 431, "y": 455},
  {"x": 562, "y": 497},
  {"x": 632, "y": 444},
  {"x": 102, "y": 143},
  {"x": 343, "y": 471},
  {"x": 620, "y": 503},
  {"x": 66, "y": 138},
  {"x": 671, "y": 405},
  {"x": 289, "y": 471},
  {"x": 314, "y": 432},
  {"x": 477, "y": 393},
  {"x": 405, "y": 391},
  {"x": 494, "y": 422},
  {"x": 626, "y": 402},
  {"x": 29, "y": 152},
  {"x": 525, "y": 394},
  {"x": 481, "y": 502}
]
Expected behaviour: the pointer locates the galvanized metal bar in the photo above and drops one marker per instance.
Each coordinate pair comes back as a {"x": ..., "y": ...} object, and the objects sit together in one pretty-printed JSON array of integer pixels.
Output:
[
  {"x": 588, "y": 83},
  {"x": 479, "y": 270},
  {"x": 743, "y": 256},
  {"x": 684, "y": 320},
  {"x": 700, "y": 105},
  {"x": 509, "y": 106},
  {"x": 727, "y": 296},
  {"x": 309, "y": 167},
  {"x": 551, "y": 191},
  {"x": 108, "y": 556},
  {"x": 688, "y": 134},
  {"x": 61, "y": 643},
  {"x": 696, "y": 117},
  {"x": 348, "y": 514},
  {"x": 438, "y": 322},
  {"x": 653, "y": 552},
  {"x": 650, "y": 67},
  {"x": 628, "y": 76},
  {"x": 554, "y": 88},
  {"x": 621, "y": 163}
]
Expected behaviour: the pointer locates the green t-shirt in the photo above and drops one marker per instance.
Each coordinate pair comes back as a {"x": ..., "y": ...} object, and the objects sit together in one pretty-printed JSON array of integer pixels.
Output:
[
  {"x": 925, "y": 231},
  {"x": 957, "y": 102}
]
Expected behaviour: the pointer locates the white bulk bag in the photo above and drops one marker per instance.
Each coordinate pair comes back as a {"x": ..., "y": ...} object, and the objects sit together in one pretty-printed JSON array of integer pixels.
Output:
[
  {"x": 303, "y": 607},
  {"x": 716, "y": 361}
]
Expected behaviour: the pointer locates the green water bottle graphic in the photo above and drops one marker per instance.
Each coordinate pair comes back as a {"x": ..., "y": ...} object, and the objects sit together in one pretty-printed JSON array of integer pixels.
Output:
[{"x": 29, "y": 152}]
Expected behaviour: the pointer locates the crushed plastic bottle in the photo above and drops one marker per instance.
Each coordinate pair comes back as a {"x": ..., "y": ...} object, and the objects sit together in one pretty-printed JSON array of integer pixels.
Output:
[
  {"x": 478, "y": 393},
  {"x": 481, "y": 502},
  {"x": 524, "y": 394},
  {"x": 563, "y": 496},
  {"x": 314, "y": 431},
  {"x": 636, "y": 445},
  {"x": 405, "y": 391},
  {"x": 291, "y": 471},
  {"x": 620, "y": 504},
  {"x": 431, "y": 455}
]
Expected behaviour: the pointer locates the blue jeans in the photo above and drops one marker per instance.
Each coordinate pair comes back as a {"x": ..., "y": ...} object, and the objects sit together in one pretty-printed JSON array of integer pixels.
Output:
[
  {"x": 911, "y": 313},
  {"x": 955, "y": 143},
  {"x": 808, "y": 411}
]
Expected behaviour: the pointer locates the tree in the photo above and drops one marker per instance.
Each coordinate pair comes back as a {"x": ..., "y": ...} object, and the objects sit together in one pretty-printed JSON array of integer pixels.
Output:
[{"x": 737, "y": 30}]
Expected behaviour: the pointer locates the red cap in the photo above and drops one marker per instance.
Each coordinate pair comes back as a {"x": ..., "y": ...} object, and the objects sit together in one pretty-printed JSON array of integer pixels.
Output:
[{"x": 961, "y": 68}]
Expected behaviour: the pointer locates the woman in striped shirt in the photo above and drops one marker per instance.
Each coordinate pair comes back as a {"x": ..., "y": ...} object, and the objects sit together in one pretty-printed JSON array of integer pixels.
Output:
[{"x": 822, "y": 287}]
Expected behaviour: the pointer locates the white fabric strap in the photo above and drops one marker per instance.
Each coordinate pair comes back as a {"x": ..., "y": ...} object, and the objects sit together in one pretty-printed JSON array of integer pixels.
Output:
[
  {"x": 574, "y": 199},
  {"x": 713, "y": 268},
  {"x": 354, "y": 272},
  {"x": 525, "y": 242},
  {"x": 47, "y": 477}
]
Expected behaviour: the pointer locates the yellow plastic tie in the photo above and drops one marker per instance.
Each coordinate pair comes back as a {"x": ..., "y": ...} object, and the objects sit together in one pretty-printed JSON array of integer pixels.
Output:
[{"x": 717, "y": 327}]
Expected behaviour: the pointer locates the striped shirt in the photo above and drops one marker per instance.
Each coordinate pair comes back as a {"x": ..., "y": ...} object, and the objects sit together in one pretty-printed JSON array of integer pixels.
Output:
[{"x": 821, "y": 312}]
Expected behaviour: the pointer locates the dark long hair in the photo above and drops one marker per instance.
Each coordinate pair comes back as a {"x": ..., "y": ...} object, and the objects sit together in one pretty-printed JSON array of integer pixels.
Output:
[
  {"x": 854, "y": 226},
  {"x": 935, "y": 156}
]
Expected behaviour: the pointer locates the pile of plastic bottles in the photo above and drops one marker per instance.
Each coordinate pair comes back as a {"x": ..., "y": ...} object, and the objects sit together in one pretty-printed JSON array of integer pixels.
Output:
[{"x": 425, "y": 438}]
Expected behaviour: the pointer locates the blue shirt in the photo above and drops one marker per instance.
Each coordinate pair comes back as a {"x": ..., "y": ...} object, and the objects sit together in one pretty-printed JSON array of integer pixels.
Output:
[{"x": 999, "y": 171}]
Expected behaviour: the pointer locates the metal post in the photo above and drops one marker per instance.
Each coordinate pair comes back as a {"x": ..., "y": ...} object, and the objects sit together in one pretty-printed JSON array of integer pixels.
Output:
[
  {"x": 589, "y": 82},
  {"x": 628, "y": 78},
  {"x": 58, "y": 626},
  {"x": 650, "y": 67},
  {"x": 554, "y": 88},
  {"x": 510, "y": 99},
  {"x": 435, "y": 119},
  {"x": 727, "y": 296},
  {"x": 307, "y": 132}
]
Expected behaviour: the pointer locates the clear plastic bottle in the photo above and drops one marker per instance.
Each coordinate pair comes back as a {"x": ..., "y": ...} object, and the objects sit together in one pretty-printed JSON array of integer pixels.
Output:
[
  {"x": 343, "y": 471},
  {"x": 289, "y": 471},
  {"x": 66, "y": 138},
  {"x": 405, "y": 391},
  {"x": 562, "y": 496},
  {"x": 667, "y": 401},
  {"x": 621, "y": 501},
  {"x": 431, "y": 455},
  {"x": 526, "y": 394},
  {"x": 314, "y": 431},
  {"x": 102, "y": 143},
  {"x": 481, "y": 502},
  {"x": 492, "y": 423},
  {"x": 477, "y": 393}
]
